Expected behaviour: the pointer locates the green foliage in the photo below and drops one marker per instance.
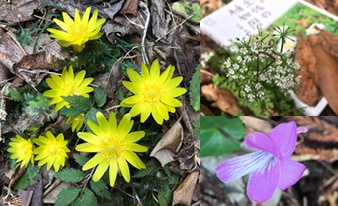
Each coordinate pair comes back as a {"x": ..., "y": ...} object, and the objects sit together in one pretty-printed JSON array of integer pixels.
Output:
[
  {"x": 258, "y": 73},
  {"x": 35, "y": 103},
  {"x": 100, "y": 97},
  {"x": 15, "y": 95},
  {"x": 67, "y": 196},
  {"x": 155, "y": 178},
  {"x": 80, "y": 159},
  {"x": 164, "y": 196},
  {"x": 87, "y": 198},
  {"x": 194, "y": 90},
  {"x": 27, "y": 178},
  {"x": 219, "y": 135},
  {"x": 196, "y": 130},
  {"x": 97, "y": 56},
  {"x": 78, "y": 105},
  {"x": 301, "y": 12},
  {"x": 100, "y": 189},
  {"x": 188, "y": 9},
  {"x": 91, "y": 115},
  {"x": 70, "y": 175},
  {"x": 24, "y": 36}
]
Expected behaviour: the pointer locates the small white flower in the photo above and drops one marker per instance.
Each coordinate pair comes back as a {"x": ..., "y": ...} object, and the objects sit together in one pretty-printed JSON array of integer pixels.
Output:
[
  {"x": 233, "y": 49},
  {"x": 288, "y": 46},
  {"x": 314, "y": 28}
]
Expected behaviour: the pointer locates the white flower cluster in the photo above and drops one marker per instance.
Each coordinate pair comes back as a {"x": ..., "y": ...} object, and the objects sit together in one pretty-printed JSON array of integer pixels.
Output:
[
  {"x": 256, "y": 65},
  {"x": 205, "y": 56}
]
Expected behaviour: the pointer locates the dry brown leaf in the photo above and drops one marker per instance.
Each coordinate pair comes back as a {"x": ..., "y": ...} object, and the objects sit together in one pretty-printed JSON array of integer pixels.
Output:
[
  {"x": 170, "y": 140},
  {"x": 221, "y": 98},
  {"x": 26, "y": 197},
  {"x": 51, "y": 197},
  {"x": 184, "y": 193},
  {"x": 130, "y": 7},
  {"x": 329, "y": 5},
  {"x": 11, "y": 51},
  {"x": 186, "y": 157},
  {"x": 18, "y": 11},
  {"x": 327, "y": 67},
  {"x": 308, "y": 91},
  {"x": 205, "y": 77},
  {"x": 164, "y": 156},
  {"x": 330, "y": 42},
  {"x": 168, "y": 146}
]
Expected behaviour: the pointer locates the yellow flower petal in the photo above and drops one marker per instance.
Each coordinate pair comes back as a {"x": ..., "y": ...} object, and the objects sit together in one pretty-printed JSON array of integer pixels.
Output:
[
  {"x": 97, "y": 159},
  {"x": 86, "y": 147},
  {"x": 51, "y": 150},
  {"x": 68, "y": 84},
  {"x": 154, "y": 93},
  {"x": 134, "y": 136},
  {"x": 134, "y": 160},
  {"x": 100, "y": 170},
  {"x": 162, "y": 110},
  {"x": 113, "y": 145},
  {"x": 85, "y": 17},
  {"x": 136, "y": 147},
  {"x": 124, "y": 169},
  {"x": 155, "y": 69},
  {"x": 78, "y": 31},
  {"x": 112, "y": 172},
  {"x": 125, "y": 126}
]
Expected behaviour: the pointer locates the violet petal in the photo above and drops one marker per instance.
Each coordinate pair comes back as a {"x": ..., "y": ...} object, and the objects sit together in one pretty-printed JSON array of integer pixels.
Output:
[
  {"x": 263, "y": 183},
  {"x": 261, "y": 141},
  {"x": 242, "y": 165},
  {"x": 291, "y": 172},
  {"x": 285, "y": 136}
]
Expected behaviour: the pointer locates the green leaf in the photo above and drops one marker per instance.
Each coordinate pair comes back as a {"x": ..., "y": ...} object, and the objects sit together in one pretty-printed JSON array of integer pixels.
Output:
[
  {"x": 15, "y": 95},
  {"x": 80, "y": 159},
  {"x": 100, "y": 96},
  {"x": 71, "y": 112},
  {"x": 219, "y": 135},
  {"x": 150, "y": 167},
  {"x": 78, "y": 102},
  {"x": 100, "y": 188},
  {"x": 38, "y": 104},
  {"x": 164, "y": 196},
  {"x": 67, "y": 196},
  {"x": 86, "y": 199},
  {"x": 70, "y": 175},
  {"x": 91, "y": 115},
  {"x": 188, "y": 9},
  {"x": 194, "y": 90},
  {"x": 27, "y": 178}
]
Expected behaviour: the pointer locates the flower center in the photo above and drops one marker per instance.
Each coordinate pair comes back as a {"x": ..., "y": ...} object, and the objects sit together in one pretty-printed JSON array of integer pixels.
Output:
[
  {"x": 112, "y": 148},
  {"x": 69, "y": 90},
  {"x": 152, "y": 93},
  {"x": 79, "y": 32}
]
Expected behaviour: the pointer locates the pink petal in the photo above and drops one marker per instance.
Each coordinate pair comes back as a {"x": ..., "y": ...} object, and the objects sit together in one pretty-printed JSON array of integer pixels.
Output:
[
  {"x": 291, "y": 172},
  {"x": 285, "y": 136},
  {"x": 263, "y": 183},
  {"x": 302, "y": 129},
  {"x": 239, "y": 166},
  {"x": 261, "y": 141}
]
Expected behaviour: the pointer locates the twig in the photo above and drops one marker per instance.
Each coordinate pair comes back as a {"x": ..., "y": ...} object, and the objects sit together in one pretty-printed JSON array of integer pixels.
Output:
[
  {"x": 145, "y": 30},
  {"x": 173, "y": 29}
]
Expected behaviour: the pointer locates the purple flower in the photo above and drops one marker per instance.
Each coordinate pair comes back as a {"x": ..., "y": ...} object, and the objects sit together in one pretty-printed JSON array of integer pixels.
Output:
[{"x": 271, "y": 166}]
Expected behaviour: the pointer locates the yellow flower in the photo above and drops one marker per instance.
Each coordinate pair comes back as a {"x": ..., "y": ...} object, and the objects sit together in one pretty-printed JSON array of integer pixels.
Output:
[
  {"x": 76, "y": 122},
  {"x": 22, "y": 150},
  {"x": 154, "y": 93},
  {"x": 78, "y": 31},
  {"x": 67, "y": 85},
  {"x": 51, "y": 151},
  {"x": 114, "y": 147}
]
